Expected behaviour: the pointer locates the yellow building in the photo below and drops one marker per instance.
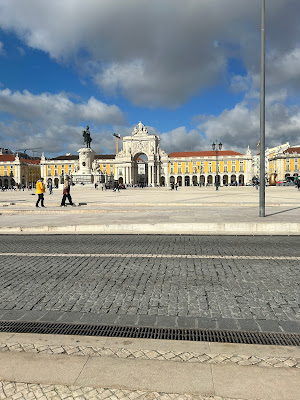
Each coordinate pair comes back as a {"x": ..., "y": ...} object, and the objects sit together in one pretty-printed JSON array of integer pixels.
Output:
[
  {"x": 201, "y": 168},
  {"x": 285, "y": 164},
  {"x": 16, "y": 171},
  {"x": 55, "y": 169}
]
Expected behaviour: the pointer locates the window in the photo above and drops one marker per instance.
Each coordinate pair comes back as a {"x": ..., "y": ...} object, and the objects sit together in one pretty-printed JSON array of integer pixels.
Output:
[
  {"x": 296, "y": 164},
  {"x": 233, "y": 167},
  {"x": 179, "y": 169},
  {"x": 241, "y": 166},
  {"x": 201, "y": 167},
  {"x": 225, "y": 166},
  {"x": 287, "y": 165},
  {"x": 209, "y": 166}
]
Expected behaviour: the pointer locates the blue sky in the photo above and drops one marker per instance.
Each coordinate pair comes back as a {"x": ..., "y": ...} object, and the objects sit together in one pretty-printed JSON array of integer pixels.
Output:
[{"x": 189, "y": 70}]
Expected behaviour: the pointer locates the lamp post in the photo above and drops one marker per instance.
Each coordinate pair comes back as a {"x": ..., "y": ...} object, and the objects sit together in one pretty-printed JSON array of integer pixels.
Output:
[
  {"x": 262, "y": 115},
  {"x": 217, "y": 147}
]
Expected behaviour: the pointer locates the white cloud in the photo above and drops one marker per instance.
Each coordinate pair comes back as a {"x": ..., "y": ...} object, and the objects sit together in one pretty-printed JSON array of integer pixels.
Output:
[
  {"x": 240, "y": 126},
  {"x": 153, "y": 52},
  {"x": 53, "y": 121}
]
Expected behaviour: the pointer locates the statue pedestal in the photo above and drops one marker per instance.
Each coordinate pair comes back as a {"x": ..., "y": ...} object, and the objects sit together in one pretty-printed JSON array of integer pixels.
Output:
[{"x": 84, "y": 174}]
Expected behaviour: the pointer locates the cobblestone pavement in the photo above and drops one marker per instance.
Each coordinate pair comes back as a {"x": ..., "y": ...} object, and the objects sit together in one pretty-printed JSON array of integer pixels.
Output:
[
  {"x": 250, "y": 284},
  {"x": 22, "y": 391}
]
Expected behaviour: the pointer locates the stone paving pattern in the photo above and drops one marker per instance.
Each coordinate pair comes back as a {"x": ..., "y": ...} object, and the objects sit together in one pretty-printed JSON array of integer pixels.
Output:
[
  {"x": 193, "y": 357},
  {"x": 245, "y": 294},
  {"x": 25, "y": 391}
]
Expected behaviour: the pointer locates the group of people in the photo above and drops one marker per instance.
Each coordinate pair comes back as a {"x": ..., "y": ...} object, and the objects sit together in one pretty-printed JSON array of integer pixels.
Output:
[{"x": 41, "y": 189}]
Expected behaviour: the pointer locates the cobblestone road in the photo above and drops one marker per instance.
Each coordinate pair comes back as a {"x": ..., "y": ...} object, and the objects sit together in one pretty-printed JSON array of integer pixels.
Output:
[{"x": 247, "y": 283}]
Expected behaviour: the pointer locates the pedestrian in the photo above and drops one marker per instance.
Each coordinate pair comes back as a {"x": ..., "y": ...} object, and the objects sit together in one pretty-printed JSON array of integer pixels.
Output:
[
  {"x": 66, "y": 193},
  {"x": 50, "y": 187},
  {"x": 96, "y": 185},
  {"x": 298, "y": 183},
  {"x": 102, "y": 186},
  {"x": 40, "y": 190},
  {"x": 176, "y": 186}
]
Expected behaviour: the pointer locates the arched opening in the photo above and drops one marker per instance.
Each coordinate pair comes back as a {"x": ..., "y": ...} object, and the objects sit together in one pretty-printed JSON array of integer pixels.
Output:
[
  {"x": 233, "y": 179},
  {"x": 6, "y": 183},
  {"x": 121, "y": 180},
  {"x": 56, "y": 182},
  {"x": 0, "y": 182},
  {"x": 195, "y": 181},
  {"x": 186, "y": 181},
  {"x": 225, "y": 180},
  {"x": 162, "y": 181},
  {"x": 209, "y": 180},
  {"x": 202, "y": 180},
  {"x": 172, "y": 180},
  {"x": 179, "y": 180},
  {"x": 217, "y": 180},
  {"x": 241, "y": 180},
  {"x": 140, "y": 170},
  {"x": 12, "y": 182}
]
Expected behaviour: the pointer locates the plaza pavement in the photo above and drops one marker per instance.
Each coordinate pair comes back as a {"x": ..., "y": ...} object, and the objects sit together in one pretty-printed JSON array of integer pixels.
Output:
[
  {"x": 190, "y": 210},
  {"x": 60, "y": 367}
]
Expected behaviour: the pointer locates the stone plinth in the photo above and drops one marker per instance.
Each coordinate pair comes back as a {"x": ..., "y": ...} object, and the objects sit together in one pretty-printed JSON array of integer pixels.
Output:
[{"x": 84, "y": 173}]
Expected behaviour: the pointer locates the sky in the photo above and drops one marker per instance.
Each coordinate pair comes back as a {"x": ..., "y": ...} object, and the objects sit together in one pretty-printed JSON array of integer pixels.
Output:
[{"x": 187, "y": 69}]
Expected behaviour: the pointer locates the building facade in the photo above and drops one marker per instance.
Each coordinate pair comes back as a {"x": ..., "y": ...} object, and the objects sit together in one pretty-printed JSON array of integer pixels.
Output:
[
  {"x": 141, "y": 161},
  {"x": 18, "y": 171},
  {"x": 284, "y": 163}
]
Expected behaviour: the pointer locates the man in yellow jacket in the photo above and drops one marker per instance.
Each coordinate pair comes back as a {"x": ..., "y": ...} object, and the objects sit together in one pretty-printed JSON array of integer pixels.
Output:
[{"x": 40, "y": 190}]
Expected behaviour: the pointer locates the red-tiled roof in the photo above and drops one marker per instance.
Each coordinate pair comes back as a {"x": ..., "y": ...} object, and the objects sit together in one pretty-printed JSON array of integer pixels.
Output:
[
  {"x": 70, "y": 157},
  {"x": 11, "y": 158},
  {"x": 75, "y": 157},
  {"x": 7, "y": 157},
  {"x": 204, "y": 153},
  {"x": 30, "y": 161},
  {"x": 292, "y": 150},
  {"x": 105, "y": 157}
]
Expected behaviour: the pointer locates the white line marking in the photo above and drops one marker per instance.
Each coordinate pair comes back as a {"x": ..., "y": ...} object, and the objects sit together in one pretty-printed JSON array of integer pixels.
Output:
[{"x": 184, "y": 256}]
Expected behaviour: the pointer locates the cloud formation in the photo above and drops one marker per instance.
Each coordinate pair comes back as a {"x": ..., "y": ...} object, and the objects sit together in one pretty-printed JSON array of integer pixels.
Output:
[
  {"x": 52, "y": 121},
  {"x": 159, "y": 53}
]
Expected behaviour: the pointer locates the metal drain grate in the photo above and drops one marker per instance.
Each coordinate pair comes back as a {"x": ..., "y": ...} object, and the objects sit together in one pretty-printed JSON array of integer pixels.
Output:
[{"x": 196, "y": 335}]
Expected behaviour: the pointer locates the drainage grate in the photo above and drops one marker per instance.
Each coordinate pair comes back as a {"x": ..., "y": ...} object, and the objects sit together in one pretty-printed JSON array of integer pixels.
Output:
[{"x": 196, "y": 335}]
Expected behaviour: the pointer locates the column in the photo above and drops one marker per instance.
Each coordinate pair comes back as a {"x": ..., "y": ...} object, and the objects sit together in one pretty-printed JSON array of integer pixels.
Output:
[
  {"x": 158, "y": 174},
  {"x": 149, "y": 174}
]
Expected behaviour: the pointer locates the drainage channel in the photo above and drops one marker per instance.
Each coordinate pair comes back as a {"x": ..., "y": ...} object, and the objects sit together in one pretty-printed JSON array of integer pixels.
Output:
[{"x": 196, "y": 335}]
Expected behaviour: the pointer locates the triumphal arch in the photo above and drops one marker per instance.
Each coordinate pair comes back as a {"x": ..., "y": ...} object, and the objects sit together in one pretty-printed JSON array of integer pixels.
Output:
[{"x": 141, "y": 161}]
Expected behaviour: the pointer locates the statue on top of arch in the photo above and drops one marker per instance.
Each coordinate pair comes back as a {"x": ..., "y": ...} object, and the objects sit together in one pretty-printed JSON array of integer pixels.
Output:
[{"x": 140, "y": 129}]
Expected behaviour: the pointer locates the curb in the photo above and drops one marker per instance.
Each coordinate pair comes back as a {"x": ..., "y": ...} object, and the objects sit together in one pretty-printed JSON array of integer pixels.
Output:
[{"x": 243, "y": 228}]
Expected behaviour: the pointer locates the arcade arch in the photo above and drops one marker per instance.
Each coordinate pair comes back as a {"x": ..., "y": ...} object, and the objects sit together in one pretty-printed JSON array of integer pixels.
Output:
[{"x": 140, "y": 169}]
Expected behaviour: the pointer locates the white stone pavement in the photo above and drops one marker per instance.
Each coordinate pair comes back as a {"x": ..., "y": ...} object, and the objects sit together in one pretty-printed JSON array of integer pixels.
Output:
[
  {"x": 57, "y": 367},
  {"x": 190, "y": 210}
]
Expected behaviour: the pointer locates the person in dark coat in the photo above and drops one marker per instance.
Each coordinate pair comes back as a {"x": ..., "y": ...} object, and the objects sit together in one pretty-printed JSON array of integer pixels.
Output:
[{"x": 66, "y": 193}]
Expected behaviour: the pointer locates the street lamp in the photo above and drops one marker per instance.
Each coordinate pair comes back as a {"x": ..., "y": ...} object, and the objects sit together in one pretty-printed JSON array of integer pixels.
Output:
[
  {"x": 217, "y": 147},
  {"x": 262, "y": 200}
]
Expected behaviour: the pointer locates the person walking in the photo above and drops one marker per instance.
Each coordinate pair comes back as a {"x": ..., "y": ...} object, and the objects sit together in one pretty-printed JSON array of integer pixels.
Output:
[
  {"x": 66, "y": 193},
  {"x": 50, "y": 187},
  {"x": 40, "y": 190}
]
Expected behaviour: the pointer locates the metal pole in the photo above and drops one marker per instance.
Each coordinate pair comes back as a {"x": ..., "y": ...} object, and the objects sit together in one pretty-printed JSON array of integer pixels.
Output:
[
  {"x": 217, "y": 175},
  {"x": 262, "y": 212}
]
